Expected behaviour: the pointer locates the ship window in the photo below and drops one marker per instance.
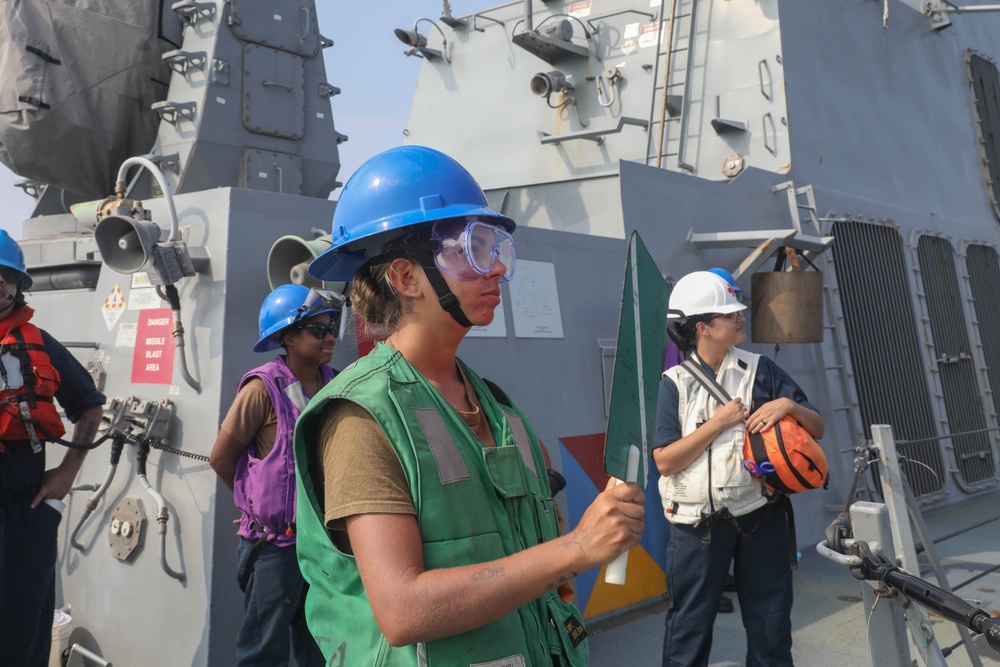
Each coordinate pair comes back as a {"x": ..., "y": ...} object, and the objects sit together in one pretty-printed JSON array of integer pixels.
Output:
[
  {"x": 884, "y": 346},
  {"x": 954, "y": 364},
  {"x": 985, "y": 83}
]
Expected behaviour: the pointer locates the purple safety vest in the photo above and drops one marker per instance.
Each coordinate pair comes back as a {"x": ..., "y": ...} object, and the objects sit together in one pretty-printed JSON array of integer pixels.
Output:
[{"x": 264, "y": 489}]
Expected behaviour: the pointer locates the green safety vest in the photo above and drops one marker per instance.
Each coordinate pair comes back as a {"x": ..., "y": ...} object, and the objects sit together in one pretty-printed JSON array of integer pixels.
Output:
[{"x": 474, "y": 504}]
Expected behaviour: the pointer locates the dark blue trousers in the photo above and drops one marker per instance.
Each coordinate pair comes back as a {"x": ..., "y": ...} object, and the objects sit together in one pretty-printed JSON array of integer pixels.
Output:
[
  {"x": 27, "y": 560},
  {"x": 695, "y": 580},
  {"x": 274, "y": 626}
]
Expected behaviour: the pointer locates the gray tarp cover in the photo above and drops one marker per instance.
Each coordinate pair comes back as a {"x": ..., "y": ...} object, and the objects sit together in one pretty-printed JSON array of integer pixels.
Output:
[{"x": 77, "y": 79}]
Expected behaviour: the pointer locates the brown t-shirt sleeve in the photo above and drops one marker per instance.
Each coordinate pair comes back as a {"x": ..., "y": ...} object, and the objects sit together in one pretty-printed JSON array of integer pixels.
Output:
[
  {"x": 252, "y": 418},
  {"x": 361, "y": 472}
]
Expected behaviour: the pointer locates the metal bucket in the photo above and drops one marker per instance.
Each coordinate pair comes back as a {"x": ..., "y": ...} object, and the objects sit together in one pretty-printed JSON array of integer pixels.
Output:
[{"x": 786, "y": 307}]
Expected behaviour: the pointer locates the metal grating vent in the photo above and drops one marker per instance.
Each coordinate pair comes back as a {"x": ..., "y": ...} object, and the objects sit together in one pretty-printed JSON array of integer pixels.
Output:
[
  {"x": 984, "y": 276},
  {"x": 953, "y": 359},
  {"x": 985, "y": 83},
  {"x": 883, "y": 344}
]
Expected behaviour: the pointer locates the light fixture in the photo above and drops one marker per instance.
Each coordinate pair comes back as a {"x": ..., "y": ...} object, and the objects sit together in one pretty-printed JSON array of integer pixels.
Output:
[
  {"x": 418, "y": 42},
  {"x": 544, "y": 84}
]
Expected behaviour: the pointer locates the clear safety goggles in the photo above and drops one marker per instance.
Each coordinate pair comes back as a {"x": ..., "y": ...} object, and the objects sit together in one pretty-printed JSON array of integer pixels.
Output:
[
  {"x": 321, "y": 299},
  {"x": 468, "y": 249}
]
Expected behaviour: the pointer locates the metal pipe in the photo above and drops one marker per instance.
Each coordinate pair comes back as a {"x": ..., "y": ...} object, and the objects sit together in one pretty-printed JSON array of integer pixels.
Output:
[
  {"x": 528, "y": 24},
  {"x": 161, "y": 180},
  {"x": 969, "y": 9},
  {"x": 162, "y": 517},
  {"x": 92, "y": 505},
  {"x": 76, "y": 649},
  {"x": 162, "y": 513}
]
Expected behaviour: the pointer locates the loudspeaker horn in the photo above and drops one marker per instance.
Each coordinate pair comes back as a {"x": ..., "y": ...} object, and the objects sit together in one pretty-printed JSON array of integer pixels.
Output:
[
  {"x": 126, "y": 243},
  {"x": 289, "y": 258}
]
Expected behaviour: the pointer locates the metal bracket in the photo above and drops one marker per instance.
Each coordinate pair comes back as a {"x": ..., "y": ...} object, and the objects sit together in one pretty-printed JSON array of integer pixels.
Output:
[
  {"x": 674, "y": 105},
  {"x": 549, "y": 49},
  {"x": 597, "y": 136},
  {"x": 31, "y": 188},
  {"x": 180, "y": 61},
  {"x": 326, "y": 91},
  {"x": 938, "y": 13},
  {"x": 220, "y": 72},
  {"x": 788, "y": 238},
  {"x": 191, "y": 12},
  {"x": 724, "y": 125},
  {"x": 171, "y": 162},
  {"x": 172, "y": 112}
]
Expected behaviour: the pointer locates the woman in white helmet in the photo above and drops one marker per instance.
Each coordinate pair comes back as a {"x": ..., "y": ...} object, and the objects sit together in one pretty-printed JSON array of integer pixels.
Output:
[{"x": 718, "y": 510}]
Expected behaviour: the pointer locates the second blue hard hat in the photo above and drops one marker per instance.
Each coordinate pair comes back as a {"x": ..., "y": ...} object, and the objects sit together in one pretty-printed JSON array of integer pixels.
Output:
[
  {"x": 12, "y": 257},
  {"x": 398, "y": 189},
  {"x": 282, "y": 308}
]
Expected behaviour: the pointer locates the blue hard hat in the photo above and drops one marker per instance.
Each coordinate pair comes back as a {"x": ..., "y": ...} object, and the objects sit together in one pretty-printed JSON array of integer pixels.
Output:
[
  {"x": 12, "y": 257},
  {"x": 282, "y": 308},
  {"x": 725, "y": 275},
  {"x": 400, "y": 188}
]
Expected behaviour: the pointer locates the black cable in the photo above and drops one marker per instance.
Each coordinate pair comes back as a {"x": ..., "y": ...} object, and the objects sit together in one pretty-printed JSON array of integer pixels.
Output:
[
  {"x": 178, "y": 452},
  {"x": 51, "y": 437}
]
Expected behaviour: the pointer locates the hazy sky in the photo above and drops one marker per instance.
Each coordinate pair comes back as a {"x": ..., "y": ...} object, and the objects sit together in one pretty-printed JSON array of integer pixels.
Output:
[{"x": 366, "y": 62}]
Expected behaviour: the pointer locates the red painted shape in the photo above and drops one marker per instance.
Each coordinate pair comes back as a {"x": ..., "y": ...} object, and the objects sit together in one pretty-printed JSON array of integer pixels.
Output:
[{"x": 588, "y": 450}]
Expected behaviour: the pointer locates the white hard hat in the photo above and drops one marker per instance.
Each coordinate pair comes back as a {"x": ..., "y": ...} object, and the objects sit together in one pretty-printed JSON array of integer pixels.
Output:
[{"x": 702, "y": 293}]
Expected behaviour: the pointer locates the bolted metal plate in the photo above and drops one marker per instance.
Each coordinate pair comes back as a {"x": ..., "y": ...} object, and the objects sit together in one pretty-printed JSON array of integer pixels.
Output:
[
  {"x": 732, "y": 165},
  {"x": 271, "y": 172},
  {"x": 287, "y": 26},
  {"x": 786, "y": 307},
  {"x": 274, "y": 92},
  {"x": 125, "y": 531}
]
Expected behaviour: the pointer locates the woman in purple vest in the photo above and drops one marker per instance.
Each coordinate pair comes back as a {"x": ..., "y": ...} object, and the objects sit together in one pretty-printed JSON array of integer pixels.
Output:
[{"x": 253, "y": 457}]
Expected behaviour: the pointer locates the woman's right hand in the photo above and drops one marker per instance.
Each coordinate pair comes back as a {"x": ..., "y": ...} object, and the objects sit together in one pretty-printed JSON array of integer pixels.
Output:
[
  {"x": 731, "y": 414},
  {"x": 611, "y": 525}
]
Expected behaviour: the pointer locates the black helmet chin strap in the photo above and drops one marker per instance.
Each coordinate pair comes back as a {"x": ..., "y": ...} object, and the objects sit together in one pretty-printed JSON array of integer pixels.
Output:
[{"x": 446, "y": 298}]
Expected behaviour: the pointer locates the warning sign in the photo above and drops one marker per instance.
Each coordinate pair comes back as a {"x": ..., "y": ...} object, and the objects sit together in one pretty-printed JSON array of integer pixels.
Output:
[
  {"x": 649, "y": 35},
  {"x": 114, "y": 306},
  {"x": 580, "y": 9},
  {"x": 628, "y": 45},
  {"x": 153, "y": 359}
]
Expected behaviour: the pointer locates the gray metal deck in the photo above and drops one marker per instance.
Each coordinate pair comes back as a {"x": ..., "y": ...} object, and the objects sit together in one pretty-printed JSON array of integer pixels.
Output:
[{"x": 829, "y": 623}]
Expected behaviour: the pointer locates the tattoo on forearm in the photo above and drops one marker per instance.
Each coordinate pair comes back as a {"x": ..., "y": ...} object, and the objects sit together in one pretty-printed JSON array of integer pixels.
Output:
[
  {"x": 84, "y": 434},
  {"x": 576, "y": 543},
  {"x": 488, "y": 573},
  {"x": 561, "y": 581}
]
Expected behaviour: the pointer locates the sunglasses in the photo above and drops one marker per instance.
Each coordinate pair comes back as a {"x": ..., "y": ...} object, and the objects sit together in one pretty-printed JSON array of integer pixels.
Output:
[{"x": 321, "y": 329}]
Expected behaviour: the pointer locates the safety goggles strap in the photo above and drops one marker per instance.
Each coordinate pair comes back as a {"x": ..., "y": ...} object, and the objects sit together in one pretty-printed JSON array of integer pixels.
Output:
[{"x": 446, "y": 298}]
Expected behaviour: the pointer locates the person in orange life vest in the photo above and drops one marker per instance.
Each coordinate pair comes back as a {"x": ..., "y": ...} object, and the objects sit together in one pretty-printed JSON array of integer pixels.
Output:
[
  {"x": 253, "y": 457},
  {"x": 35, "y": 370}
]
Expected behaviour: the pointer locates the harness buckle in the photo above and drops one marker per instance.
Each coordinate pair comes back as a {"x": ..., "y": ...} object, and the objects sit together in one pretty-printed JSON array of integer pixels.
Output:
[{"x": 29, "y": 426}]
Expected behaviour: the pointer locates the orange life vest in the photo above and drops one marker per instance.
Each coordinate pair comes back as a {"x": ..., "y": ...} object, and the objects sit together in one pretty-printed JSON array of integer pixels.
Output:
[{"x": 24, "y": 342}]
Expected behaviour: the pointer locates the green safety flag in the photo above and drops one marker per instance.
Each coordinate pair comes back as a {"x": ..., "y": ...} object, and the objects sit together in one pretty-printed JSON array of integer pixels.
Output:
[{"x": 638, "y": 363}]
